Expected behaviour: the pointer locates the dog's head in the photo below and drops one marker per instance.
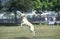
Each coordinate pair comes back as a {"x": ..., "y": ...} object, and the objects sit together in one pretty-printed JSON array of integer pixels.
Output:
[{"x": 22, "y": 15}]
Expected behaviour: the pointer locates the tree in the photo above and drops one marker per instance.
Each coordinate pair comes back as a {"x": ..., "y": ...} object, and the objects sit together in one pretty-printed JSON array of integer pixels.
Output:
[
  {"x": 56, "y": 4},
  {"x": 37, "y": 4},
  {"x": 26, "y": 5},
  {"x": 22, "y": 5},
  {"x": 0, "y": 6}
]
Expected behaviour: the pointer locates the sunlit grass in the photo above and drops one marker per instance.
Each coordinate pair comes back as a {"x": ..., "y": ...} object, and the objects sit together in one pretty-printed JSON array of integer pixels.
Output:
[{"x": 42, "y": 32}]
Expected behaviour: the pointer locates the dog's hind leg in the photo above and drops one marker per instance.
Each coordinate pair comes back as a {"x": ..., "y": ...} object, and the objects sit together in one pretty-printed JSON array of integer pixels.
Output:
[{"x": 32, "y": 29}]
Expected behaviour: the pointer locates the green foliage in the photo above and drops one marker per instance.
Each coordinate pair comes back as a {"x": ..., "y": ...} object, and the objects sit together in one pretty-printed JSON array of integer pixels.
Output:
[
  {"x": 38, "y": 4},
  {"x": 0, "y": 6},
  {"x": 26, "y": 5}
]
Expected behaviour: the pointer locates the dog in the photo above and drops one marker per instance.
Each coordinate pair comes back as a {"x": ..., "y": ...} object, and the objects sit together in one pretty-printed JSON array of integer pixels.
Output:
[{"x": 26, "y": 22}]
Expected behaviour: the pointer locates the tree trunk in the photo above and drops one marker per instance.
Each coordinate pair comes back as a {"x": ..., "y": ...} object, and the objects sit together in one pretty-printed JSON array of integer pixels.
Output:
[{"x": 15, "y": 16}]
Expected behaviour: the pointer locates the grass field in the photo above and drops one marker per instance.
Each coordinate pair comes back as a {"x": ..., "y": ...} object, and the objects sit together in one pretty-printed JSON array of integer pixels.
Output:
[{"x": 42, "y": 32}]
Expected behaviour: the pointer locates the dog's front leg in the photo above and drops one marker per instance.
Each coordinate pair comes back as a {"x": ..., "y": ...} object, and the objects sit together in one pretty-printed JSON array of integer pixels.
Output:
[{"x": 22, "y": 24}]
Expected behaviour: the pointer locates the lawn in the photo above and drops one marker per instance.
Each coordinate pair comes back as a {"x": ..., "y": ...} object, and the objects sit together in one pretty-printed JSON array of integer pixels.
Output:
[{"x": 42, "y": 32}]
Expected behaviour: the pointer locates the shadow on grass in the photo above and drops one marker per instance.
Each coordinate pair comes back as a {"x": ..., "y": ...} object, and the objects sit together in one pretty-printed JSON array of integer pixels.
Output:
[
  {"x": 14, "y": 24},
  {"x": 21, "y": 38},
  {"x": 9, "y": 24}
]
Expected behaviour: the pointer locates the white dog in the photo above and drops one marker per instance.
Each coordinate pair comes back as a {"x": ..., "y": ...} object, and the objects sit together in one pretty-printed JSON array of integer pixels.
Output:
[{"x": 26, "y": 22}]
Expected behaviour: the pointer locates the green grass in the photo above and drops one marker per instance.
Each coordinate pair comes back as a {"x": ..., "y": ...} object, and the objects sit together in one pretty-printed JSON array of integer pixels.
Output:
[{"x": 42, "y": 32}]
